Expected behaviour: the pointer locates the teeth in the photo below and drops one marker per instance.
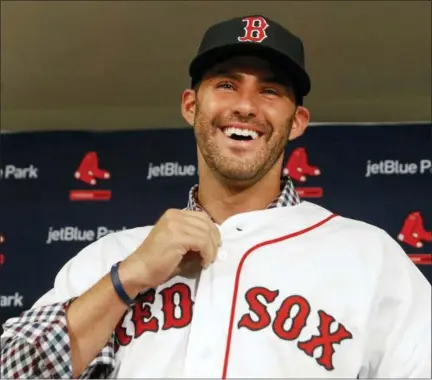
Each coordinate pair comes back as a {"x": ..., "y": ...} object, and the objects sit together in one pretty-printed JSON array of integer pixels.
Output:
[{"x": 241, "y": 132}]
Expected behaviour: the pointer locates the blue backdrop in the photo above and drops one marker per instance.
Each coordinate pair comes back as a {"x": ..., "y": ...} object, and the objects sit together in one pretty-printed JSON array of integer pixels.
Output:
[{"x": 60, "y": 191}]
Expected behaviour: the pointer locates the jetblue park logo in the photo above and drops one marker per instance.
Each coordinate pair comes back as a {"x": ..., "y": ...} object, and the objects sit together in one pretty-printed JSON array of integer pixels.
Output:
[
  {"x": 75, "y": 233},
  {"x": 396, "y": 167},
  {"x": 170, "y": 169},
  {"x": 13, "y": 172},
  {"x": 13, "y": 300}
]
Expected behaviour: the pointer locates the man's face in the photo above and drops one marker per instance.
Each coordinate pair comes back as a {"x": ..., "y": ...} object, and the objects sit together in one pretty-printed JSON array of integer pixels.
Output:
[{"x": 242, "y": 119}]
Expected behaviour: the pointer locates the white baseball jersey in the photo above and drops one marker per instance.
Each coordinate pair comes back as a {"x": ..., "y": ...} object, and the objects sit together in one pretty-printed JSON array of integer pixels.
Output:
[{"x": 296, "y": 292}]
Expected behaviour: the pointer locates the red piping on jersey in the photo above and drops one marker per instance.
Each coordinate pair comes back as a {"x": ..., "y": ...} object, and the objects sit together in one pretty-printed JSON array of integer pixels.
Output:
[{"x": 237, "y": 281}]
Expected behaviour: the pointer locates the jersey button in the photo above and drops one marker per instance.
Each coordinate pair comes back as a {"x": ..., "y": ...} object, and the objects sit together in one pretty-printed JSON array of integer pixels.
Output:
[{"x": 222, "y": 255}]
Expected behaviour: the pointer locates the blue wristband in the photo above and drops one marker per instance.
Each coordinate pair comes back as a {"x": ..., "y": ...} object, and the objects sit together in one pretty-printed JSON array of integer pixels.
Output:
[{"x": 121, "y": 292}]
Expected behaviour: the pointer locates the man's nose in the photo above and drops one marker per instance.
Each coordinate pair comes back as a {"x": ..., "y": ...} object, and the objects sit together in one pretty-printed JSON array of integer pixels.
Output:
[{"x": 245, "y": 105}]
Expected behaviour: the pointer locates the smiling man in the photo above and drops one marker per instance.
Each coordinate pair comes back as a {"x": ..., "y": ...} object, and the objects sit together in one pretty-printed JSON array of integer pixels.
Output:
[
  {"x": 248, "y": 280},
  {"x": 243, "y": 115}
]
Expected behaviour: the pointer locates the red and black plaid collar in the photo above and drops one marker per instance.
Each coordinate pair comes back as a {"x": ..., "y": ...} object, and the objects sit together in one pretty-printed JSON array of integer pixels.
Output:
[{"x": 287, "y": 197}]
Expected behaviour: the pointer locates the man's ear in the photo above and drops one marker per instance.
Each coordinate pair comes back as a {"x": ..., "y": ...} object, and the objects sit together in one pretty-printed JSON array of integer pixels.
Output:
[
  {"x": 188, "y": 106},
  {"x": 300, "y": 123}
]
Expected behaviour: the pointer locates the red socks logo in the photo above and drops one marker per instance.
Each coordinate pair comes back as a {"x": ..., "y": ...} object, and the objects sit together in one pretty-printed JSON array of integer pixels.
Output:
[
  {"x": 89, "y": 169},
  {"x": 298, "y": 167},
  {"x": 413, "y": 231},
  {"x": 88, "y": 172}
]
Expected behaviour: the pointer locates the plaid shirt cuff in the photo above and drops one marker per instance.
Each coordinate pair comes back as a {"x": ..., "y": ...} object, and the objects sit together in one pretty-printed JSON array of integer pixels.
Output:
[{"x": 37, "y": 345}]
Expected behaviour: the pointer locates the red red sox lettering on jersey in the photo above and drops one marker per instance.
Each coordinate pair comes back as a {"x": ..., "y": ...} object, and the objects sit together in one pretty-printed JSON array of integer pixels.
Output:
[
  {"x": 178, "y": 315},
  {"x": 144, "y": 321}
]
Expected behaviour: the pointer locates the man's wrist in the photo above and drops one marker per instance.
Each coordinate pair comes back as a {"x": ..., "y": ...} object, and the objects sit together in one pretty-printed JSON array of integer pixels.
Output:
[{"x": 128, "y": 279}]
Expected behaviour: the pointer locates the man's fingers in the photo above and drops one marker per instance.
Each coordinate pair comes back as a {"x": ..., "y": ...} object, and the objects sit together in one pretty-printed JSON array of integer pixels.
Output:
[
  {"x": 198, "y": 214},
  {"x": 214, "y": 230},
  {"x": 202, "y": 235},
  {"x": 199, "y": 241},
  {"x": 201, "y": 215},
  {"x": 202, "y": 220}
]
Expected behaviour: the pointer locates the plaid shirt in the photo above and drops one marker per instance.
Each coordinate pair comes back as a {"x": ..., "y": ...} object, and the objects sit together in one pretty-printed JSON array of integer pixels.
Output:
[
  {"x": 287, "y": 197},
  {"x": 37, "y": 345}
]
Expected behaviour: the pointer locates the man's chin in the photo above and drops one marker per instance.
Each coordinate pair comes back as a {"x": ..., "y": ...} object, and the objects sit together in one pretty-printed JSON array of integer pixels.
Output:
[{"x": 238, "y": 178}]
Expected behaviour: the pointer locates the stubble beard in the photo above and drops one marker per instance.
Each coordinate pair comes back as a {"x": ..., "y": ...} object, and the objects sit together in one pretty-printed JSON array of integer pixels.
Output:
[{"x": 237, "y": 169}]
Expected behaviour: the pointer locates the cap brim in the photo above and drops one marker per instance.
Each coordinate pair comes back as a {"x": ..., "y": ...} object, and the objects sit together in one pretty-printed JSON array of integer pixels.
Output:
[{"x": 208, "y": 59}]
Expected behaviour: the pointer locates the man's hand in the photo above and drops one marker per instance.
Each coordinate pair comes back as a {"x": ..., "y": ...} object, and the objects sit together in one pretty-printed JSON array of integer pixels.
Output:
[{"x": 176, "y": 243}]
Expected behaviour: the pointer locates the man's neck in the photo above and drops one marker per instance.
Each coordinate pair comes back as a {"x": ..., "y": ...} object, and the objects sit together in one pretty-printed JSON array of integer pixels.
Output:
[{"x": 222, "y": 201}]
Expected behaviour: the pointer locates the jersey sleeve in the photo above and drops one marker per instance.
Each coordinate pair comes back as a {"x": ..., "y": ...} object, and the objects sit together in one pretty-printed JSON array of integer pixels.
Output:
[
  {"x": 400, "y": 335},
  {"x": 36, "y": 344}
]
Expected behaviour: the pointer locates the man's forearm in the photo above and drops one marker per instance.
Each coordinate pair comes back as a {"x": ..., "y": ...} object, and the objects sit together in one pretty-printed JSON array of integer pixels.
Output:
[{"x": 92, "y": 319}]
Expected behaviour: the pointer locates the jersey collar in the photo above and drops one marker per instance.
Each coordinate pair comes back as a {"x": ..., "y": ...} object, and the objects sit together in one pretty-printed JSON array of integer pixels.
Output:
[{"x": 287, "y": 197}]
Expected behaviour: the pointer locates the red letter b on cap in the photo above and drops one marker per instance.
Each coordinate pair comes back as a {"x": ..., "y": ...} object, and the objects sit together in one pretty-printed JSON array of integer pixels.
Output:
[{"x": 255, "y": 29}]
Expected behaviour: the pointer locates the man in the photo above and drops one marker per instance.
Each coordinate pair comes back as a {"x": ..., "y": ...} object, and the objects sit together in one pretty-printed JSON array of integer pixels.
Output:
[{"x": 247, "y": 281}]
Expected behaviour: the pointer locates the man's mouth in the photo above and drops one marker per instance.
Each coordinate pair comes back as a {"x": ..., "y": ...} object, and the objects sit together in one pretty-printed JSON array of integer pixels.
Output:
[{"x": 241, "y": 134}]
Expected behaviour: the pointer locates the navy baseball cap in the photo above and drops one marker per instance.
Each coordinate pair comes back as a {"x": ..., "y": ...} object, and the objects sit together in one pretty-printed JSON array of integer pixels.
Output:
[{"x": 253, "y": 35}]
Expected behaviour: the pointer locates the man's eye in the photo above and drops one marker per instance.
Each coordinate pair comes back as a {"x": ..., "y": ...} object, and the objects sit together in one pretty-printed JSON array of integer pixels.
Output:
[
  {"x": 270, "y": 91},
  {"x": 225, "y": 85}
]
